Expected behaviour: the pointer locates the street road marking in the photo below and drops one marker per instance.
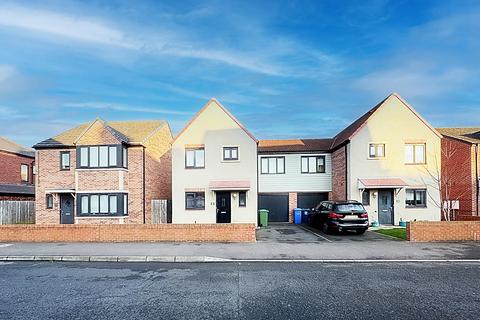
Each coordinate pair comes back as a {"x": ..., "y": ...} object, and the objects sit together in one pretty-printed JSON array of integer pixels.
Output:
[
  {"x": 5, "y": 245},
  {"x": 358, "y": 260},
  {"x": 318, "y": 235}
]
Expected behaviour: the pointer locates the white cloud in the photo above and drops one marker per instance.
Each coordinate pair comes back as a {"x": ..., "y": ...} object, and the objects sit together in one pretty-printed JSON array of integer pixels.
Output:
[
  {"x": 75, "y": 28},
  {"x": 267, "y": 58},
  {"x": 123, "y": 108}
]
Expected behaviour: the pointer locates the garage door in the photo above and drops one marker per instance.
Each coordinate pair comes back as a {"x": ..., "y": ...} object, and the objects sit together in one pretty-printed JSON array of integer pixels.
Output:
[
  {"x": 310, "y": 200},
  {"x": 277, "y": 204}
]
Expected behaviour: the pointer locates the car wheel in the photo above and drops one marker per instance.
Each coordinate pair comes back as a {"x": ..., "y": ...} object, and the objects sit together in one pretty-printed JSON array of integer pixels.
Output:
[
  {"x": 325, "y": 228},
  {"x": 361, "y": 231}
]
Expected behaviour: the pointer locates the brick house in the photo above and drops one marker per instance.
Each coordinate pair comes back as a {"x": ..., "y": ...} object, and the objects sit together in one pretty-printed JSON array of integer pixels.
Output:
[
  {"x": 461, "y": 169},
  {"x": 103, "y": 172},
  {"x": 375, "y": 160},
  {"x": 16, "y": 171},
  {"x": 294, "y": 173}
]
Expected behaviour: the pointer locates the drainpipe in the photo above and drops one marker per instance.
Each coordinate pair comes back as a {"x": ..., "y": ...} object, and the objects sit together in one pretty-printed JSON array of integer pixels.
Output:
[
  {"x": 346, "y": 172},
  {"x": 476, "y": 179},
  {"x": 143, "y": 153}
]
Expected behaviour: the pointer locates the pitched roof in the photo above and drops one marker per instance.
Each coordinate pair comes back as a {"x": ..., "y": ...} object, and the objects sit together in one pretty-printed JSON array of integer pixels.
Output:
[
  {"x": 224, "y": 110},
  {"x": 294, "y": 145},
  {"x": 347, "y": 133},
  {"x": 470, "y": 135},
  {"x": 131, "y": 132},
  {"x": 13, "y": 147}
]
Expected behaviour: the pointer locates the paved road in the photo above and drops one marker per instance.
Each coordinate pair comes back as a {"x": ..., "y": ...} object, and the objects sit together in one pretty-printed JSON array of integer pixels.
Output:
[{"x": 239, "y": 291}]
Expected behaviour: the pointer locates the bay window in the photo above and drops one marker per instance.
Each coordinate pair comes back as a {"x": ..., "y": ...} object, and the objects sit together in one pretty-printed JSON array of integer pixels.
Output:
[
  {"x": 102, "y": 156},
  {"x": 102, "y": 205}
]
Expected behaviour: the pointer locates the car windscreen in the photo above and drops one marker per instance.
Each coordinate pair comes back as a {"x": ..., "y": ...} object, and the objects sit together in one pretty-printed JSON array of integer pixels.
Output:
[{"x": 349, "y": 207}]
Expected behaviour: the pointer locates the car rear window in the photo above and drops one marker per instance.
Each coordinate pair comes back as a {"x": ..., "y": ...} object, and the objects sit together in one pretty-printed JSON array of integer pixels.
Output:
[{"x": 349, "y": 207}]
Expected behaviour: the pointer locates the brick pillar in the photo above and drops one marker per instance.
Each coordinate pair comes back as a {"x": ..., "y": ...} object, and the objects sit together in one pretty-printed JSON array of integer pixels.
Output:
[{"x": 292, "y": 204}]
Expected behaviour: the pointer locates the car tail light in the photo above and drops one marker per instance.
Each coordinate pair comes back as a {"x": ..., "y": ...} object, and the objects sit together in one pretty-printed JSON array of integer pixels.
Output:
[
  {"x": 364, "y": 215},
  {"x": 334, "y": 215}
]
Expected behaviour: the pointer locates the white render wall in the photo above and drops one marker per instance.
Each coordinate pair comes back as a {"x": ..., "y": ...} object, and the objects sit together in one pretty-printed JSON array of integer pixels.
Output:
[
  {"x": 293, "y": 180},
  {"x": 394, "y": 124},
  {"x": 215, "y": 129}
]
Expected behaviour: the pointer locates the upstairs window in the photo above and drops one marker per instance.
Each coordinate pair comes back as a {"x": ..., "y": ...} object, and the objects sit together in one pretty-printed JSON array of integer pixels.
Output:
[
  {"x": 415, "y": 153},
  {"x": 313, "y": 164},
  {"x": 24, "y": 172},
  {"x": 65, "y": 160},
  {"x": 102, "y": 157},
  {"x": 230, "y": 153},
  {"x": 376, "y": 150},
  {"x": 195, "y": 158},
  {"x": 416, "y": 198},
  {"x": 272, "y": 165}
]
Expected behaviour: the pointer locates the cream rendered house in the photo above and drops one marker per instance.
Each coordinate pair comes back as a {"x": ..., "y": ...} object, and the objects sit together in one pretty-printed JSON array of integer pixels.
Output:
[
  {"x": 214, "y": 169},
  {"x": 386, "y": 159}
]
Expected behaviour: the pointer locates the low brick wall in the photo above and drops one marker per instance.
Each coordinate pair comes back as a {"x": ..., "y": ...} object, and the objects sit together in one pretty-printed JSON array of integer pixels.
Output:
[
  {"x": 467, "y": 218},
  {"x": 429, "y": 231},
  {"x": 129, "y": 233}
]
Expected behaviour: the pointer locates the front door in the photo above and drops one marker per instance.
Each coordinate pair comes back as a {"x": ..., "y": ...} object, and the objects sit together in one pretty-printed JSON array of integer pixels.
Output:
[
  {"x": 224, "y": 210},
  {"x": 66, "y": 209},
  {"x": 385, "y": 206}
]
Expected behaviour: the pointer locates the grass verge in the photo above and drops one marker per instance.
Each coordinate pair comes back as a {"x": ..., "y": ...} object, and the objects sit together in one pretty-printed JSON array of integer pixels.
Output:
[{"x": 400, "y": 233}]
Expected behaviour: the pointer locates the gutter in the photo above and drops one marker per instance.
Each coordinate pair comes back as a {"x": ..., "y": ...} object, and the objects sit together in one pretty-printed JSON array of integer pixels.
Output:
[
  {"x": 477, "y": 189},
  {"x": 143, "y": 189}
]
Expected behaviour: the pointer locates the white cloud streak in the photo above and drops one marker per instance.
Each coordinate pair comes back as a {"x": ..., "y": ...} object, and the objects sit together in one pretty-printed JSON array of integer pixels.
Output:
[
  {"x": 123, "y": 108},
  {"x": 167, "y": 41}
]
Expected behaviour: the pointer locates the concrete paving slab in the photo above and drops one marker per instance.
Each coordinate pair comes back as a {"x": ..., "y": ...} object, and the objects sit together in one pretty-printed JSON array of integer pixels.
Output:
[
  {"x": 189, "y": 259},
  {"x": 20, "y": 258},
  {"x": 48, "y": 258}
]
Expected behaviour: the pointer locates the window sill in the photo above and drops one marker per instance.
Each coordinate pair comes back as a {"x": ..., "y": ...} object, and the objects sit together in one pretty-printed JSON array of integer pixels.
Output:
[
  {"x": 100, "y": 169},
  {"x": 415, "y": 164},
  {"x": 191, "y": 209},
  {"x": 100, "y": 216},
  {"x": 415, "y": 207},
  {"x": 230, "y": 161},
  {"x": 379, "y": 158},
  {"x": 194, "y": 168}
]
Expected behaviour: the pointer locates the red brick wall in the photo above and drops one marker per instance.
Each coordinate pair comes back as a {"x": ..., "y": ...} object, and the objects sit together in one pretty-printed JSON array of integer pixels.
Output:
[
  {"x": 129, "y": 233},
  {"x": 17, "y": 198},
  {"x": 339, "y": 175},
  {"x": 458, "y": 180},
  {"x": 292, "y": 204},
  {"x": 10, "y": 168},
  {"x": 429, "y": 231},
  {"x": 467, "y": 218}
]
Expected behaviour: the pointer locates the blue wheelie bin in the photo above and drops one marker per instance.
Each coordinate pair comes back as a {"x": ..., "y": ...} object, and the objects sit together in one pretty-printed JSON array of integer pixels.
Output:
[
  {"x": 306, "y": 216},
  {"x": 297, "y": 216}
]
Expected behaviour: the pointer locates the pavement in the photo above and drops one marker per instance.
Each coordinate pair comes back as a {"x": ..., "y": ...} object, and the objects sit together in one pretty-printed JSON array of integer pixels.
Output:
[
  {"x": 41, "y": 290},
  {"x": 278, "y": 242}
]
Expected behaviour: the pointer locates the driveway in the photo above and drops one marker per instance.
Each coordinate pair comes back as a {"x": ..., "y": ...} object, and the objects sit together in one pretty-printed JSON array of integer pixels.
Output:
[{"x": 292, "y": 233}]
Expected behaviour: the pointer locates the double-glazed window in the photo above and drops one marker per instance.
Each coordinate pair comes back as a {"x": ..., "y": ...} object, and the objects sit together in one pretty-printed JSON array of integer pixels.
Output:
[
  {"x": 195, "y": 200},
  {"x": 242, "y": 199},
  {"x": 195, "y": 158},
  {"x": 24, "y": 168},
  {"x": 103, "y": 204},
  {"x": 102, "y": 157},
  {"x": 415, "y": 153},
  {"x": 65, "y": 160},
  {"x": 272, "y": 165},
  {"x": 314, "y": 164},
  {"x": 416, "y": 198},
  {"x": 230, "y": 153},
  {"x": 376, "y": 150}
]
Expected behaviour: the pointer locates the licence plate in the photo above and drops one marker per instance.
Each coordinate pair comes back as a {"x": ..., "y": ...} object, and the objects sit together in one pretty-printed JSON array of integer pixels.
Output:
[{"x": 351, "y": 217}]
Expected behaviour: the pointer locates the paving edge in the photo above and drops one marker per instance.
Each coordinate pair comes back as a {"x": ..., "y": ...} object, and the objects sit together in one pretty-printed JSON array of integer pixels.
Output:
[{"x": 207, "y": 259}]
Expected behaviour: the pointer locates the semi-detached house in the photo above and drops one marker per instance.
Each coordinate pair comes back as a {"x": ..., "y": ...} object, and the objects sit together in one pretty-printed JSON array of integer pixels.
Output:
[
  {"x": 385, "y": 159},
  {"x": 103, "y": 172}
]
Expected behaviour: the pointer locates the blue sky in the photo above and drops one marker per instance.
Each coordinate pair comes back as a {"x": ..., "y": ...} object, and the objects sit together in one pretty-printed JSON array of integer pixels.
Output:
[{"x": 284, "y": 68}]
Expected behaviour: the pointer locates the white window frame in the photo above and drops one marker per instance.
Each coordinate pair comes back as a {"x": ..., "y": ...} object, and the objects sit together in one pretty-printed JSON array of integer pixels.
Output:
[
  {"x": 414, "y": 147},
  {"x": 315, "y": 160},
  {"x": 198, "y": 158},
  {"x": 375, "y": 147},
  {"x": 266, "y": 162}
]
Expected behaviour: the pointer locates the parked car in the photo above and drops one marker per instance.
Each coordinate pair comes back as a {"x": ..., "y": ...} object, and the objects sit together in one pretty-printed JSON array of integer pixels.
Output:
[{"x": 340, "y": 216}]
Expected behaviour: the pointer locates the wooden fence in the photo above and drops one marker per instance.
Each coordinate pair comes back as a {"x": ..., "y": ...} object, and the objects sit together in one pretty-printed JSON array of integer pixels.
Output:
[
  {"x": 160, "y": 211},
  {"x": 17, "y": 212}
]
